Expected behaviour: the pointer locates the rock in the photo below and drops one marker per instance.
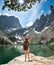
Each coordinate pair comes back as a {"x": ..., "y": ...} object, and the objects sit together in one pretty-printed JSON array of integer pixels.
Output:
[
  {"x": 34, "y": 60},
  {"x": 51, "y": 58}
]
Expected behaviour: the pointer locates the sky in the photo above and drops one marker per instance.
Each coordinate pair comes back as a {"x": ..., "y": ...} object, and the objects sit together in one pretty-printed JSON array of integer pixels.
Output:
[{"x": 28, "y": 17}]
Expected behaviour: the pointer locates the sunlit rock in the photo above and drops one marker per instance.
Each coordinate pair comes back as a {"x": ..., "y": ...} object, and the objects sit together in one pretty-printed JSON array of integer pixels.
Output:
[{"x": 34, "y": 60}]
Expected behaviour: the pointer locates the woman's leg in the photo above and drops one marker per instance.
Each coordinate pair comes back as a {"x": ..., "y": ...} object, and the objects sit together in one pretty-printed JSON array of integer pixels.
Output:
[
  {"x": 25, "y": 55},
  {"x": 28, "y": 54}
]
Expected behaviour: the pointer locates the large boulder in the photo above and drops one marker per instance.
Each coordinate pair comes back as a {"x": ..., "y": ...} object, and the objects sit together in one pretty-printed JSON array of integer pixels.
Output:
[{"x": 34, "y": 60}]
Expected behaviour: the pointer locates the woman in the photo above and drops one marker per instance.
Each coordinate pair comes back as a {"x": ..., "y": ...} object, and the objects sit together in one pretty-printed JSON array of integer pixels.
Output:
[{"x": 26, "y": 49}]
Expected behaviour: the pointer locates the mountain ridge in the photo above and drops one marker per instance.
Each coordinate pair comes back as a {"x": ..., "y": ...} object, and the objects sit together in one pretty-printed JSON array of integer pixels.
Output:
[{"x": 8, "y": 22}]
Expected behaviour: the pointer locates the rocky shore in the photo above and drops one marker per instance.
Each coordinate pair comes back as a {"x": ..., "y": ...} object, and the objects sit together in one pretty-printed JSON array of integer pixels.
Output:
[{"x": 34, "y": 60}]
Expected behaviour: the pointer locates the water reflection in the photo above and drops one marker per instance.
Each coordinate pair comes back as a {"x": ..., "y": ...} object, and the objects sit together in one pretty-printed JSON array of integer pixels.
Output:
[
  {"x": 7, "y": 53},
  {"x": 19, "y": 48}
]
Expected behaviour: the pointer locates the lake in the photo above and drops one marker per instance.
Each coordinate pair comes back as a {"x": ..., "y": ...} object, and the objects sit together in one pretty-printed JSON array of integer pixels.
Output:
[{"x": 9, "y": 52}]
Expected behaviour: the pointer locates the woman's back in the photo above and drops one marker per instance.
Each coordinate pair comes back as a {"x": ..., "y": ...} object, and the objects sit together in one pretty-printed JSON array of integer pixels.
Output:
[{"x": 26, "y": 44}]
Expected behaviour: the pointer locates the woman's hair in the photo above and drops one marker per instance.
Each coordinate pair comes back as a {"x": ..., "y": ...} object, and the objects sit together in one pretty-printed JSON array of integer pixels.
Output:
[{"x": 26, "y": 40}]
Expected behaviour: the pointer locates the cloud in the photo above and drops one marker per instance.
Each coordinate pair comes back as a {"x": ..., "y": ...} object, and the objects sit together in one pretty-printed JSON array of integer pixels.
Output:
[
  {"x": 49, "y": 12},
  {"x": 33, "y": 15},
  {"x": 42, "y": 11},
  {"x": 30, "y": 24},
  {"x": 7, "y": 14},
  {"x": 21, "y": 1},
  {"x": 16, "y": 16},
  {"x": 44, "y": 0},
  {"x": 0, "y": 14}
]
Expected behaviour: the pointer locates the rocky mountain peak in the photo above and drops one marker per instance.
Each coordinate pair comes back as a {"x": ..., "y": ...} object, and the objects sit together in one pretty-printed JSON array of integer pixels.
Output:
[
  {"x": 43, "y": 22},
  {"x": 8, "y": 22}
]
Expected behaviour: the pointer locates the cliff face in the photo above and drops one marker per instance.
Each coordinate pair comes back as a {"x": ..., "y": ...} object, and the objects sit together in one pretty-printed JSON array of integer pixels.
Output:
[
  {"x": 35, "y": 60},
  {"x": 8, "y": 22}
]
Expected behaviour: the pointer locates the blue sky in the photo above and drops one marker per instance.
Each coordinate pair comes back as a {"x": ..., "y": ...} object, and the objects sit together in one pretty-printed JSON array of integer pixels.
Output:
[{"x": 27, "y": 18}]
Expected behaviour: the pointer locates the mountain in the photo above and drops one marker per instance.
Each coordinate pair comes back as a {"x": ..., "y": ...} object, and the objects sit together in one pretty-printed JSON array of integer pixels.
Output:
[
  {"x": 50, "y": 18},
  {"x": 9, "y": 22},
  {"x": 43, "y": 22},
  {"x": 43, "y": 29},
  {"x": 4, "y": 39},
  {"x": 40, "y": 30},
  {"x": 39, "y": 24},
  {"x": 46, "y": 35}
]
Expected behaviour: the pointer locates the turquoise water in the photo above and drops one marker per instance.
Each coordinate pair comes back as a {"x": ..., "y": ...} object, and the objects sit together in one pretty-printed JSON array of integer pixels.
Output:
[{"x": 7, "y": 53}]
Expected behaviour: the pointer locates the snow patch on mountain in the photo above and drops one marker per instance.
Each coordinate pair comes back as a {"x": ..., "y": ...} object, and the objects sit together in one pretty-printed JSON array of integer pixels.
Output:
[
  {"x": 41, "y": 31},
  {"x": 26, "y": 31}
]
